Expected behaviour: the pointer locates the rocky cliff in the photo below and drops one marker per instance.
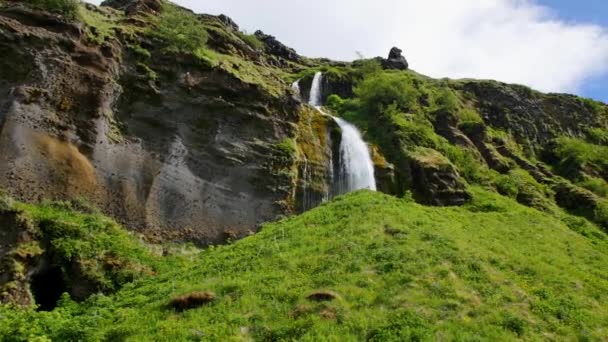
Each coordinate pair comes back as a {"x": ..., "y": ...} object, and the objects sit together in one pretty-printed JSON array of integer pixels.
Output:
[
  {"x": 184, "y": 128},
  {"x": 178, "y": 146}
]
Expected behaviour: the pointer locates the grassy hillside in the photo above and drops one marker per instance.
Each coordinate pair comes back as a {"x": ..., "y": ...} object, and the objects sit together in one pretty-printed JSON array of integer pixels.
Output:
[{"x": 366, "y": 266}]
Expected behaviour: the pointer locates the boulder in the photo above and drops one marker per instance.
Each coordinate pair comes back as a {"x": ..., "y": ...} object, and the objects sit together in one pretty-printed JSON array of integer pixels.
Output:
[
  {"x": 435, "y": 181},
  {"x": 395, "y": 60}
]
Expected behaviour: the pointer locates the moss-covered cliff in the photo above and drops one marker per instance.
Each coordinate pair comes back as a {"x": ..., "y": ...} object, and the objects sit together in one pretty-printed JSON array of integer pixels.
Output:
[{"x": 185, "y": 128}]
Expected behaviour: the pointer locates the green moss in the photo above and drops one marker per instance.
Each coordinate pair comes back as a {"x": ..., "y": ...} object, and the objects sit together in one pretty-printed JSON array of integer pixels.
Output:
[
  {"x": 67, "y": 8},
  {"x": 100, "y": 26},
  {"x": 150, "y": 74},
  {"x": 597, "y": 185},
  {"x": 430, "y": 158},
  {"x": 598, "y": 136},
  {"x": 287, "y": 146},
  {"x": 179, "y": 30},
  {"x": 251, "y": 40},
  {"x": 140, "y": 53},
  {"x": 575, "y": 156}
]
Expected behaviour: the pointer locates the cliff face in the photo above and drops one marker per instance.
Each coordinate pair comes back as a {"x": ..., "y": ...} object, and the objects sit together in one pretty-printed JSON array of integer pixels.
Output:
[
  {"x": 176, "y": 148},
  {"x": 196, "y": 135}
]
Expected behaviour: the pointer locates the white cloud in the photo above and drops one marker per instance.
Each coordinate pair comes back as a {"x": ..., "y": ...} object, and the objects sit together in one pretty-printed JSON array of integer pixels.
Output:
[{"x": 509, "y": 40}]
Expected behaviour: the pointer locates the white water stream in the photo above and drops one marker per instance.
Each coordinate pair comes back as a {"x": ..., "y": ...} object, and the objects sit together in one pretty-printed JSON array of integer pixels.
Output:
[{"x": 356, "y": 167}]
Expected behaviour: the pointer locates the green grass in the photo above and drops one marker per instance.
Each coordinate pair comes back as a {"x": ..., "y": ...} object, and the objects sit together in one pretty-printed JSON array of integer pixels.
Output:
[
  {"x": 179, "y": 30},
  {"x": 493, "y": 270},
  {"x": 251, "y": 40},
  {"x": 576, "y": 155},
  {"x": 67, "y": 8},
  {"x": 93, "y": 252}
]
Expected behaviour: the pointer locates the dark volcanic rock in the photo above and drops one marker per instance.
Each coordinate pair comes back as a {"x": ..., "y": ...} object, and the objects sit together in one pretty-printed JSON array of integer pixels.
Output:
[
  {"x": 186, "y": 157},
  {"x": 228, "y": 22},
  {"x": 275, "y": 47},
  {"x": 395, "y": 60},
  {"x": 132, "y": 7},
  {"x": 534, "y": 119}
]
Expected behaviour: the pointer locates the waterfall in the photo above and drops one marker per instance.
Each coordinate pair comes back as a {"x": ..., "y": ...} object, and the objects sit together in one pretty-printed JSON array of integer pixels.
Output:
[
  {"x": 296, "y": 87},
  {"x": 356, "y": 166},
  {"x": 356, "y": 169},
  {"x": 315, "y": 99}
]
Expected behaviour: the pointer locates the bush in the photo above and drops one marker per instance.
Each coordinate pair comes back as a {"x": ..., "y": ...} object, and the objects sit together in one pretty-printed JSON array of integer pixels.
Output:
[
  {"x": 251, "y": 40},
  {"x": 67, "y": 8},
  {"x": 514, "y": 324},
  {"x": 334, "y": 102},
  {"x": 447, "y": 101},
  {"x": 381, "y": 90},
  {"x": 595, "y": 185},
  {"x": 575, "y": 155},
  {"x": 506, "y": 186},
  {"x": 598, "y": 136},
  {"x": 469, "y": 115},
  {"x": 180, "y": 30}
]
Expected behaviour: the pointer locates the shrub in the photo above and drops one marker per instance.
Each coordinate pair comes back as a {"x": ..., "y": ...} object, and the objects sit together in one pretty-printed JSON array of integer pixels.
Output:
[
  {"x": 381, "y": 90},
  {"x": 67, "y": 8},
  {"x": 367, "y": 67},
  {"x": 447, "y": 101},
  {"x": 575, "y": 154},
  {"x": 506, "y": 186},
  {"x": 334, "y": 102},
  {"x": 598, "y": 136},
  {"x": 469, "y": 115},
  {"x": 595, "y": 185},
  {"x": 251, "y": 40},
  {"x": 180, "y": 30},
  {"x": 514, "y": 324}
]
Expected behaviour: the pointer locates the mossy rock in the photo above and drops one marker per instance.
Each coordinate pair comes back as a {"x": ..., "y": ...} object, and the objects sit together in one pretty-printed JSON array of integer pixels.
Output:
[{"x": 435, "y": 180}]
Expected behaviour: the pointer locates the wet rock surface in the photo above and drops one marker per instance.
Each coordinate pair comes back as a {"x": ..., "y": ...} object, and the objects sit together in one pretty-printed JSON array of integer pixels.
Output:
[{"x": 185, "y": 158}]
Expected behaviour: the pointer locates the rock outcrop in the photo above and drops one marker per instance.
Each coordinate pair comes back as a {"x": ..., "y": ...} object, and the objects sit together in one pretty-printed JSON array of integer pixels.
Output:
[
  {"x": 437, "y": 181},
  {"x": 276, "y": 48},
  {"x": 395, "y": 60},
  {"x": 186, "y": 156},
  {"x": 132, "y": 7}
]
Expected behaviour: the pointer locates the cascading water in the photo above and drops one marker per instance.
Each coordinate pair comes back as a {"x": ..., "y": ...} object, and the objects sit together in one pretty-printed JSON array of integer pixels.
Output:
[
  {"x": 356, "y": 169},
  {"x": 356, "y": 166},
  {"x": 296, "y": 87},
  {"x": 315, "y": 91}
]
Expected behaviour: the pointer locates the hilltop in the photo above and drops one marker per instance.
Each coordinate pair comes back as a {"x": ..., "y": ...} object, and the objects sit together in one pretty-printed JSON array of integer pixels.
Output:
[
  {"x": 136, "y": 137},
  {"x": 365, "y": 267}
]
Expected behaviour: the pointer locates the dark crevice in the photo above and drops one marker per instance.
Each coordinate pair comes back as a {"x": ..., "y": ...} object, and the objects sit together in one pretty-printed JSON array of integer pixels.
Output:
[{"x": 47, "y": 287}]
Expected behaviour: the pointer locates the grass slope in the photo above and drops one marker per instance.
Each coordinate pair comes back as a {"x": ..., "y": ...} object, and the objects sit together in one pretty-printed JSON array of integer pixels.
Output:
[{"x": 494, "y": 270}]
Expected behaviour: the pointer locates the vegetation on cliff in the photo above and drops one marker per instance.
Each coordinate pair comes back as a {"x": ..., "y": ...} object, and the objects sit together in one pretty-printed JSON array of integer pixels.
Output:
[{"x": 513, "y": 247}]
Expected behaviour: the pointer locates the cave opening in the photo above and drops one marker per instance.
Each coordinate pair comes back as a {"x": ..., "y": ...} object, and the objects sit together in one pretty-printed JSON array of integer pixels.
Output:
[{"x": 47, "y": 287}]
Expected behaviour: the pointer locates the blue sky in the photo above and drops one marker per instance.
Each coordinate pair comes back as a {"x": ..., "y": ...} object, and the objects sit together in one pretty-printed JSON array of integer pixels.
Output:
[{"x": 587, "y": 11}]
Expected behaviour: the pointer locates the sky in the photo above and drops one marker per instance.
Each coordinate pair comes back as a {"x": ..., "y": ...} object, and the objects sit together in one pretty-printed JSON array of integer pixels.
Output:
[{"x": 550, "y": 45}]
